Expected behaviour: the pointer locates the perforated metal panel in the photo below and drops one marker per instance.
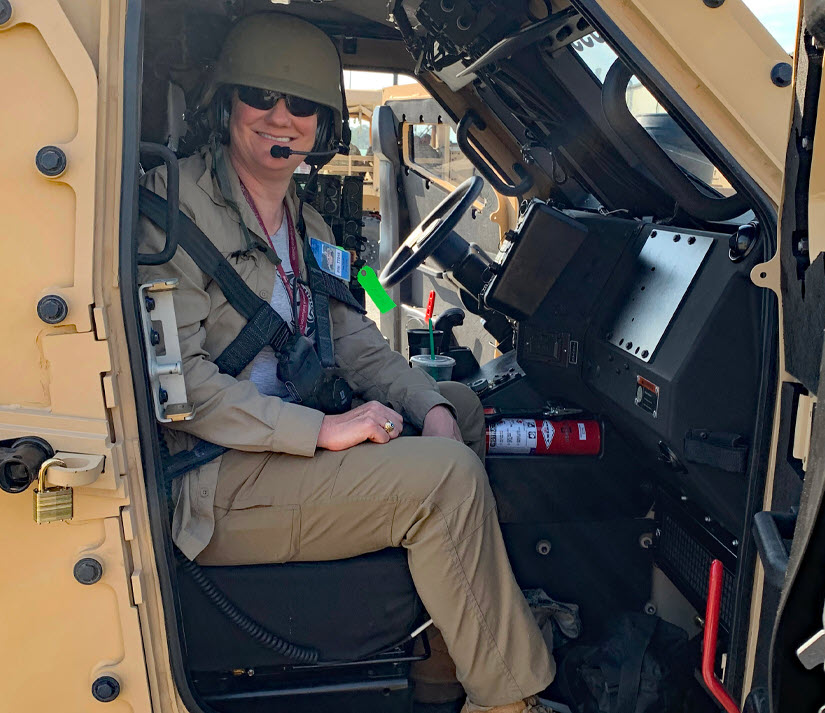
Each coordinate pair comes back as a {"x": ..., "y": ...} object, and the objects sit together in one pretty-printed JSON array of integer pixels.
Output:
[{"x": 664, "y": 270}]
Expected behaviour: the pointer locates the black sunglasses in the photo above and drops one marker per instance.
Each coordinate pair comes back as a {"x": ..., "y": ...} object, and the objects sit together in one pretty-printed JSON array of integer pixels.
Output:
[{"x": 265, "y": 99}]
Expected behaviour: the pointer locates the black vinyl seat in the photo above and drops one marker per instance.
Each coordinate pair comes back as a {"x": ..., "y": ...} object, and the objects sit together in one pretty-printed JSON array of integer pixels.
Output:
[{"x": 346, "y": 609}]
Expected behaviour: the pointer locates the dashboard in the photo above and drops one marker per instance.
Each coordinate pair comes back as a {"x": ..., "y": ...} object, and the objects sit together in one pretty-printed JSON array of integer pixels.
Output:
[{"x": 652, "y": 327}]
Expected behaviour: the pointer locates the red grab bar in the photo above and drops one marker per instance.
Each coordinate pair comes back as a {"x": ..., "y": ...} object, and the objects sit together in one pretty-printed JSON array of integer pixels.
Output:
[{"x": 711, "y": 631}]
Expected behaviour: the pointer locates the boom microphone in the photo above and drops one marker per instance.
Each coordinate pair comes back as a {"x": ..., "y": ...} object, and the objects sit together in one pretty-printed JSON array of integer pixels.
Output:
[{"x": 285, "y": 152}]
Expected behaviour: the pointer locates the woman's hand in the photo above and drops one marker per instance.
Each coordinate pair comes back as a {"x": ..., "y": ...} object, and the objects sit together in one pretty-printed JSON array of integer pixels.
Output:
[
  {"x": 439, "y": 422},
  {"x": 363, "y": 423}
]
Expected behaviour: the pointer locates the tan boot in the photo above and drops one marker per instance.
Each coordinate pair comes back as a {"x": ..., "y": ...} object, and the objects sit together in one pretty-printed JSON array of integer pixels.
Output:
[{"x": 528, "y": 705}]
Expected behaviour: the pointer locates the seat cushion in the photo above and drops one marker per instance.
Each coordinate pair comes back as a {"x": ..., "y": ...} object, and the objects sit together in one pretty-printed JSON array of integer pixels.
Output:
[{"x": 346, "y": 609}]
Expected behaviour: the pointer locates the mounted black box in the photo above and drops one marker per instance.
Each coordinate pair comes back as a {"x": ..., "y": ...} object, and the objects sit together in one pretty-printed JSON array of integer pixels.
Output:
[{"x": 531, "y": 260}]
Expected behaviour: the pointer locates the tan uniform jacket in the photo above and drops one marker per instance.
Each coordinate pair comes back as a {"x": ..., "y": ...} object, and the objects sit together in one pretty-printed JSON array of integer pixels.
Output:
[{"x": 230, "y": 410}]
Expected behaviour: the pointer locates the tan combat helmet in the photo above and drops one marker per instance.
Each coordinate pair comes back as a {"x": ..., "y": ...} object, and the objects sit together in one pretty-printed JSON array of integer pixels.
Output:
[{"x": 285, "y": 54}]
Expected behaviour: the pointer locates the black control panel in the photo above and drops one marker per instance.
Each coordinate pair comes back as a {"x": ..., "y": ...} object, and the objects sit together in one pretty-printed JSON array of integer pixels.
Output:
[
  {"x": 696, "y": 369},
  {"x": 340, "y": 201}
]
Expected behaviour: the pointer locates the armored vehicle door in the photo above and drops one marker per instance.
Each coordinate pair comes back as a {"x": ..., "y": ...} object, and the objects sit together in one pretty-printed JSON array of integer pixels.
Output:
[{"x": 793, "y": 530}]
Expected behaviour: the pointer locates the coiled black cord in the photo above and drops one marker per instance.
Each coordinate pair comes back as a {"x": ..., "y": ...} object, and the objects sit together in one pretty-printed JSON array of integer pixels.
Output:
[{"x": 301, "y": 654}]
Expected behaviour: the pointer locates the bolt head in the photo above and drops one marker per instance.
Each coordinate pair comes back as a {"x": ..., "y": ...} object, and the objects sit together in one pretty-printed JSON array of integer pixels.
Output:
[
  {"x": 52, "y": 309},
  {"x": 782, "y": 74},
  {"x": 50, "y": 161},
  {"x": 5, "y": 11},
  {"x": 105, "y": 689},
  {"x": 88, "y": 571}
]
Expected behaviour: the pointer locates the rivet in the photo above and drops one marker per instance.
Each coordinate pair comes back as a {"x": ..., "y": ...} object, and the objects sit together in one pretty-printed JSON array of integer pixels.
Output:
[
  {"x": 782, "y": 74},
  {"x": 713, "y": 4},
  {"x": 50, "y": 161}
]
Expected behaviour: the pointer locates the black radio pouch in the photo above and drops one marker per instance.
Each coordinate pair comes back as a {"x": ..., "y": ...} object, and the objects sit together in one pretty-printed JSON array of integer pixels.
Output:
[{"x": 307, "y": 381}]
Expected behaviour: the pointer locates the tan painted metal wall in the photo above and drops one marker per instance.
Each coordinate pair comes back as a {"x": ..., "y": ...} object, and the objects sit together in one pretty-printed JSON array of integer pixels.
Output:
[{"x": 61, "y": 86}]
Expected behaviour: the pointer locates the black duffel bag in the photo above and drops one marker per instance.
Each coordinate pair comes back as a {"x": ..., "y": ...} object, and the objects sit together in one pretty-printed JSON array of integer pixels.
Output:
[{"x": 641, "y": 666}]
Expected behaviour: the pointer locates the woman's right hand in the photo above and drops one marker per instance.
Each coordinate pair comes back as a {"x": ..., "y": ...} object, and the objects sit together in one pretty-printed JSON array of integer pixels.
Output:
[{"x": 363, "y": 423}]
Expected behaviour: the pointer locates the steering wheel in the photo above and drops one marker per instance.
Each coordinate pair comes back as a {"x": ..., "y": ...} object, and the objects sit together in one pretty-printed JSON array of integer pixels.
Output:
[{"x": 431, "y": 232}]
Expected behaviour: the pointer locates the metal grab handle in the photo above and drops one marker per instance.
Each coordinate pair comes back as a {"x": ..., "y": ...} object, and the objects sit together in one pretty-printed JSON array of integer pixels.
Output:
[
  {"x": 709, "y": 643},
  {"x": 472, "y": 119},
  {"x": 770, "y": 530},
  {"x": 655, "y": 158},
  {"x": 172, "y": 204}
]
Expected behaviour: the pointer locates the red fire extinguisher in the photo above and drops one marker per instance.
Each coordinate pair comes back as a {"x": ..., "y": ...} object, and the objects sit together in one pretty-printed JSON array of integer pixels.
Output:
[{"x": 530, "y": 436}]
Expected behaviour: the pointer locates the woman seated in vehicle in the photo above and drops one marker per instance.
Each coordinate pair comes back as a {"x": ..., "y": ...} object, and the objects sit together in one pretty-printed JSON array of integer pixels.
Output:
[{"x": 298, "y": 484}]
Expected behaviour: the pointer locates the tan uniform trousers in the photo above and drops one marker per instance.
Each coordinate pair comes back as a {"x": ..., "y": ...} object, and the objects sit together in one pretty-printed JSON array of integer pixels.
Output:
[{"x": 429, "y": 495}]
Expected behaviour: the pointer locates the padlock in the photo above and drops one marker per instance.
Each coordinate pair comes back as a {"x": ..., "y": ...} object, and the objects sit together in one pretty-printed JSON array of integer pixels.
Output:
[{"x": 51, "y": 504}]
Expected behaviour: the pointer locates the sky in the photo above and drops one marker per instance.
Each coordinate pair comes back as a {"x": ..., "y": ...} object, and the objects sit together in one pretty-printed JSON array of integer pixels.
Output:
[{"x": 778, "y": 16}]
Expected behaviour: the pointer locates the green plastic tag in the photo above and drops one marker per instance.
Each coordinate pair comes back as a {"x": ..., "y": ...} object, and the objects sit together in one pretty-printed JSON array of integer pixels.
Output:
[{"x": 369, "y": 281}]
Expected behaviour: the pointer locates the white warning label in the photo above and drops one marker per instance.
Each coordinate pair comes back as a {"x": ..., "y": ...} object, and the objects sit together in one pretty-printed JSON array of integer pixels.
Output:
[
  {"x": 512, "y": 435},
  {"x": 582, "y": 432}
]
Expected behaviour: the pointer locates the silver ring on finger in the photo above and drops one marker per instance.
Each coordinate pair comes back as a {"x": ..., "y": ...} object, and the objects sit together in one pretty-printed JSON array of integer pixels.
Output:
[{"x": 389, "y": 426}]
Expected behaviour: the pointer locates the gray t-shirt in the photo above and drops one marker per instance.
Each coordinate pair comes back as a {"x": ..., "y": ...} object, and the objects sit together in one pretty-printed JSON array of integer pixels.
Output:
[{"x": 265, "y": 364}]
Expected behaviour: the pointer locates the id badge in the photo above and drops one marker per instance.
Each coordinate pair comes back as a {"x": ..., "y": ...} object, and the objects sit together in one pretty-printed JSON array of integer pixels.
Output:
[{"x": 331, "y": 259}]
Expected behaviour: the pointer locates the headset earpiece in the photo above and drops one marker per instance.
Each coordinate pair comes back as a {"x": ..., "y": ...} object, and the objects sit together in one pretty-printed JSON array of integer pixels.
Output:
[
  {"x": 222, "y": 108},
  {"x": 324, "y": 135}
]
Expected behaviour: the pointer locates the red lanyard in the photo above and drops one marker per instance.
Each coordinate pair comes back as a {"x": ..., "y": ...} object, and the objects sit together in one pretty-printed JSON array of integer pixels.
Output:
[{"x": 303, "y": 297}]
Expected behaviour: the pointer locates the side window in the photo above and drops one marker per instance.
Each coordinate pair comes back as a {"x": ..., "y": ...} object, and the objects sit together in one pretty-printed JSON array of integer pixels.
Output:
[
  {"x": 433, "y": 151},
  {"x": 360, "y": 128},
  {"x": 598, "y": 57}
]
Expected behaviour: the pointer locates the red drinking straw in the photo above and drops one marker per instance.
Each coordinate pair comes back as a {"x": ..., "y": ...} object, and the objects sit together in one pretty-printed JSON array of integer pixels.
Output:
[{"x": 430, "y": 305}]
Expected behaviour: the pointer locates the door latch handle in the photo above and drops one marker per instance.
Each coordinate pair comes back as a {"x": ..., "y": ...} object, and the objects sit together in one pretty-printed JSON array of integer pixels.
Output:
[{"x": 76, "y": 469}]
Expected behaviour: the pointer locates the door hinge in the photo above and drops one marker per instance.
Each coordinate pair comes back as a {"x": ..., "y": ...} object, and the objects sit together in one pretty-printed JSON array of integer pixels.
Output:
[
  {"x": 109, "y": 391},
  {"x": 137, "y": 586},
  {"x": 101, "y": 324},
  {"x": 802, "y": 428}
]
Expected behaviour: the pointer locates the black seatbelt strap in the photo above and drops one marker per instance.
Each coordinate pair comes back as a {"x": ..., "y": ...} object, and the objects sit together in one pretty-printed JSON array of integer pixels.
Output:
[
  {"x": 181, "y": 463},
  {"x": 323, "y": 287},
  {"x": 264, "y": 326}
]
